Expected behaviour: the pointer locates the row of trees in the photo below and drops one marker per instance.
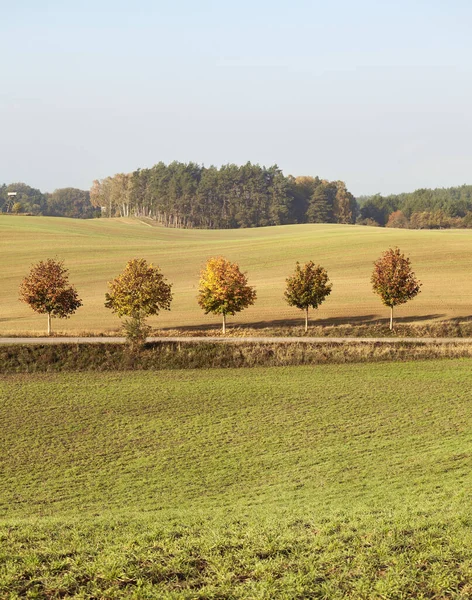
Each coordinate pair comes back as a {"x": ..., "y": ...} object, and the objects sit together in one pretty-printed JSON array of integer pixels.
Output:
[
  {"x": 422, "y": 209},
  {"x": 190, "y": 195},
  {"x": 18, "y": 198},
  {"x": 141, "y": 290}
]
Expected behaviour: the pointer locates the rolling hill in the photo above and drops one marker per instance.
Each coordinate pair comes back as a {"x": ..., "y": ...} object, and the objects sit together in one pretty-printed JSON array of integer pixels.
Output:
[{"x": 96, "y": 250}]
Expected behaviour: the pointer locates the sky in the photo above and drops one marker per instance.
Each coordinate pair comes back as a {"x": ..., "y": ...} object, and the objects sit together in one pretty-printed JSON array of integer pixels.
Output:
[{"x": 375, "y": 93}]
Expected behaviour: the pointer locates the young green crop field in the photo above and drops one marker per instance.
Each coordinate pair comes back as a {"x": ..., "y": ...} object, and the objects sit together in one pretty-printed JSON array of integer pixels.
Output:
[
  {"x": 331, "y": 482},
  {"x": 96, "y": 251}
]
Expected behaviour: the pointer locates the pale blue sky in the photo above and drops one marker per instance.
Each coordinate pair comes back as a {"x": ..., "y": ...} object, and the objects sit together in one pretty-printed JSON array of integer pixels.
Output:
[{"x": 378, "y": 94}]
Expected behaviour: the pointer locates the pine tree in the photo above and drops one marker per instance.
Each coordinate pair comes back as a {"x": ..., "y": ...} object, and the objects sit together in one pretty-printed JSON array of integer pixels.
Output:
[{"x": 319, "y": 209}]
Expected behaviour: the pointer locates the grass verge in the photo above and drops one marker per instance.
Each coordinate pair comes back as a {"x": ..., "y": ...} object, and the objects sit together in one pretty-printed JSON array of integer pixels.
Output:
[{"x": 174, "y": 355}]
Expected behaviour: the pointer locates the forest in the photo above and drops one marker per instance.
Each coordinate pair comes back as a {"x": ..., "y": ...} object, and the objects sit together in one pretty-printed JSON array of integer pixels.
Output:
[
  {"x": 441, "y": 208},
  {"x": 232, "y": 196},
  {"x": 190, "y": 195},
  {"x": 19, "y": 198}
]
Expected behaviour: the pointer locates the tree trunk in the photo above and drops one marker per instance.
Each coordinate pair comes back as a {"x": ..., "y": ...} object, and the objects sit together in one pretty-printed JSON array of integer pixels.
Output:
[
  {"x": 49, "y": 323},
  {"x": 391, "y": 318},
  {"x": 306, "y": 320},
  {"x": 224, "y": 323}
]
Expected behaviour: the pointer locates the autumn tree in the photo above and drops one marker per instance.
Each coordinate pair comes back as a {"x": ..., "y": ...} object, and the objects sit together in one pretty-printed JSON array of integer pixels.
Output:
[
  {"x": 398, "y": 220},
  {"x": 344, "y": 204},
  {"x": 223, "y": 289},
  {"x": 307, "y": 287},
  {"x": 140, "y": 291},
  {"x": 47, "y": 290},
  {"x": 393, "y": 280}
]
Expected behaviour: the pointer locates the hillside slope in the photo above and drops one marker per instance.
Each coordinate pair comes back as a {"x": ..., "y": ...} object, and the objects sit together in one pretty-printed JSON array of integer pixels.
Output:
[{"x": 96, "y": 251}]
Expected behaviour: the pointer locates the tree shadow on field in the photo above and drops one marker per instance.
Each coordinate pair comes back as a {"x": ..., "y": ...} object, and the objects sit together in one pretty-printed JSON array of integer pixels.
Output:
[
  {"x": 294, "y": 322},
  {"x": 332, "y": 322},
  {"x": 374, "y": 320},
  {"x": 465, "y": 319},
  {"x": 11, "y": 319}
]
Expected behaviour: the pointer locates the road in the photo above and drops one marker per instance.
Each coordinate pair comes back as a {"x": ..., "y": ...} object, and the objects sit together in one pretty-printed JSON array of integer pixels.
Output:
[{"x": 238, "y": 340}]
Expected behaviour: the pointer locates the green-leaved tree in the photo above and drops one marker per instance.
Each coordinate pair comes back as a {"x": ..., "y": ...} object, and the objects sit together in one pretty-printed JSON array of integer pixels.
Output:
[
  {"x": 138, "y": 292},
  {"x": 307, "y": 287}
]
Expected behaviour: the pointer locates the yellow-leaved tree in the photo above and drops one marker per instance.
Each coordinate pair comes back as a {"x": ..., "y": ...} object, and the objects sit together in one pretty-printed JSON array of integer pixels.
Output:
[{"x": 223, "y": 289}]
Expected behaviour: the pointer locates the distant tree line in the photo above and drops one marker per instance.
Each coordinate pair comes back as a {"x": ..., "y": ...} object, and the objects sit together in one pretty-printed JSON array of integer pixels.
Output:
[
  {"x": 423, "y": 209},
  {"x": 232, "y": 196},
  {"x": 19, "y": 198}
]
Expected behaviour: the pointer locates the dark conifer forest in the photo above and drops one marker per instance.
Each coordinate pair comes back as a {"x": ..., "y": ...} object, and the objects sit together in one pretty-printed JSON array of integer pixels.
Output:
[{"x": 190, "y": 195}]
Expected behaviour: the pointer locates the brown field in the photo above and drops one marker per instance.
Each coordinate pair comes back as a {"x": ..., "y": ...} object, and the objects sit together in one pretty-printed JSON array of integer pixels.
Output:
[{"x": 96, "y": 251}]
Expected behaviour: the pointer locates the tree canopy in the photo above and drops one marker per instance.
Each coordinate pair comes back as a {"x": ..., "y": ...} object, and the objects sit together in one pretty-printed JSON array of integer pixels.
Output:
[
  {"x": 232, "y": 196},
  {"x": 138, "y": 292},
  {"x": 64, "y": 202},
  {"x": 422, "y": 209},
  {"x": 223, "y": 289},
  {"x": 393, "y": 279},
  {"x": 47, "y": 290},
  {"x": 190, "y": 195},
  {"x": 307, "y": 287}
]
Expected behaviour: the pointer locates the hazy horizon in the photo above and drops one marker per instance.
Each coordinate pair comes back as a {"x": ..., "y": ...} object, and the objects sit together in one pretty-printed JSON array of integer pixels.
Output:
[{"x": 374, "y": 94}]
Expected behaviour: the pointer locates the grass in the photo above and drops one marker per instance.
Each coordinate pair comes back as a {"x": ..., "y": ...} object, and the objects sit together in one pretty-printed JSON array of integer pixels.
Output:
[
  {"x": 333, "y": 481},
  {"x": 96, "y": 251},
  {"x": 57, "y": 358}
]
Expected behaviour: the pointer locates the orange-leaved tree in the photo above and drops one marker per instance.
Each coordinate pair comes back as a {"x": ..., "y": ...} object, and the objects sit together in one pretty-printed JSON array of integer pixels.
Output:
[
  {"x": 393, "y": 279},
  {"x": 397, "y": 219},
  {"x": 307, "y": 287},
  {"x": 139, "y": 292},
  {"x": 47, "y": 290},
  {"x": 223, "y": 289}
]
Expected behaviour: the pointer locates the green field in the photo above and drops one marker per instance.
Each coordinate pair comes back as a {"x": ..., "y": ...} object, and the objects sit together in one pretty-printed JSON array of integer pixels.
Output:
[
  {"x": 96, "y": 251},
  {"x": 332, "y": 481}
]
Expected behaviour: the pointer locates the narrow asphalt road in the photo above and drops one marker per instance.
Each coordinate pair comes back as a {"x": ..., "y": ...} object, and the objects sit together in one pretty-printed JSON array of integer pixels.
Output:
[{"x": 239, "y": 340}]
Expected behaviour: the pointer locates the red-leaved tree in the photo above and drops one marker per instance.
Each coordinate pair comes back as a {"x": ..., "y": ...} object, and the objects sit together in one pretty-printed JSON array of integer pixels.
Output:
[
  {"x": 47, "y": 290},
  {"x": 393, "y": 280}
]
